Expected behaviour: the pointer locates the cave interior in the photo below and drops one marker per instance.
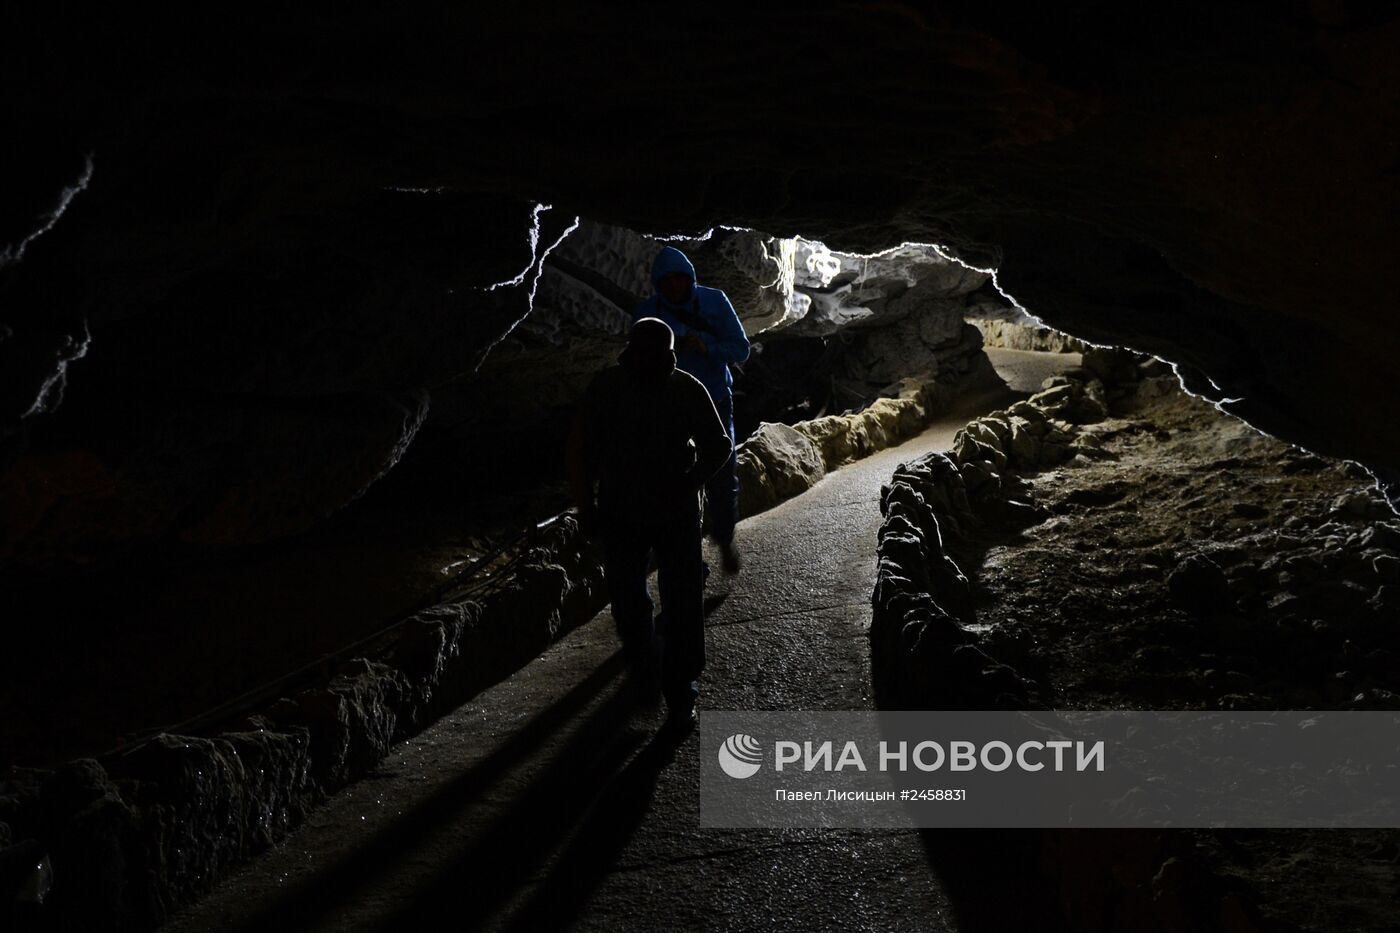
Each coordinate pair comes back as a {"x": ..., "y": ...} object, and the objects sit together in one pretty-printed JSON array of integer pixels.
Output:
[{"x": 292, "y": 320}]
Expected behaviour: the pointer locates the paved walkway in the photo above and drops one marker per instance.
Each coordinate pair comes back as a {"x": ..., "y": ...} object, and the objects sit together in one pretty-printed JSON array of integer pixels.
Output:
[{"x": 541, "y": 804}]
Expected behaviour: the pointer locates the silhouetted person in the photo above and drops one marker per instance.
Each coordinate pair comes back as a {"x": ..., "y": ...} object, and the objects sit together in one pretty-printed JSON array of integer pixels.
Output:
[
  {"x": 650, "y": 437},
  {"x": 709, "y": 337}
]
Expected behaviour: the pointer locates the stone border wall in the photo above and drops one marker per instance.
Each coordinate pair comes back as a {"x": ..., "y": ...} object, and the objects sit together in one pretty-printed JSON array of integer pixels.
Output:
[
  {"x": 923, "y": 652},
  {"x": 132, "y": 838},
  {"x": 779, "y": 461},
  {"x": 924, "y": 655}
]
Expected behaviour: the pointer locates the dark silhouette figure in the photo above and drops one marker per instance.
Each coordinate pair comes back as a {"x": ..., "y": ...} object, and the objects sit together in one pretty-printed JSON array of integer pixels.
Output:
[
  {"x": 649, "y": 436},
  {"x": 709, "y": 339}
]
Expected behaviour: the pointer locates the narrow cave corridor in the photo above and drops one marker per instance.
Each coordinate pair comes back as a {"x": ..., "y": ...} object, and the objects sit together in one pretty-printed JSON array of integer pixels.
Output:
[
  {"x": 560, "y": 816},
  {"x": 1068, "y": 389}
]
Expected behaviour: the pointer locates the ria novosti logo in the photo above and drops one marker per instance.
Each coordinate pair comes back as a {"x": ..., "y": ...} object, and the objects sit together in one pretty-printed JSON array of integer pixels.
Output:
[{"x": 740, "y": 755}]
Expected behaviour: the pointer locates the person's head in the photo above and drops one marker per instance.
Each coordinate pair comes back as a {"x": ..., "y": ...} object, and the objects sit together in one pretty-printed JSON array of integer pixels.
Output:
[
  {"x": 673, "y": 276},
  {"x": 674, "y": 287},
  {"x": 650, "y": 348}
]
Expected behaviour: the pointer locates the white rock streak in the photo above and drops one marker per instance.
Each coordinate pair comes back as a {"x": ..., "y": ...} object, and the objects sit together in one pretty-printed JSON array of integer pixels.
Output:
[
  {"x": 534, "y": 270},
  {"x": 50, "y": 393},
  {"x": 65, "y": 197},
  {"x": 534, "y": 238}
]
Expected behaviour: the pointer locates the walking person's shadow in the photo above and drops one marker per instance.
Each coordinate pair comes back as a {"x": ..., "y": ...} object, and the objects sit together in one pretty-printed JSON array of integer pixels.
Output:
[
  {"x": 566, "y": 828},
  {"x": 602, "y": 835}
]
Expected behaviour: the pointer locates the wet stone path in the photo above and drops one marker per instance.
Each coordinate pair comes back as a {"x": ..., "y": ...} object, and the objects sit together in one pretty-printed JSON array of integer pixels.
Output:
[{"x": 543, "y": 804}]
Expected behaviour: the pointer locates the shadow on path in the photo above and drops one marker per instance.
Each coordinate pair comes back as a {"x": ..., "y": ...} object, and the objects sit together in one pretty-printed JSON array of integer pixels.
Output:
[
  {"x": 501, "y": 857},
  {"x": 593, "y": 851},
  {"x": 993, "y": 879},
  {"x": 558, "y": 790}
]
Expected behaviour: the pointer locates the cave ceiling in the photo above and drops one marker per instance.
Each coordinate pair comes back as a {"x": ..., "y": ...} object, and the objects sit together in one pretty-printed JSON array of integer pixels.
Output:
[{"x": 274, "y": 223}]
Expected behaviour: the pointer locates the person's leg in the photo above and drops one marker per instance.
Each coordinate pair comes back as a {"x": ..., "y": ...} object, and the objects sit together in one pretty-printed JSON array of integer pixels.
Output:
[
  {"x": 722, "y": 494},
  {"x": 679, "y": 577},
  {"x": 626, "y": 557}
]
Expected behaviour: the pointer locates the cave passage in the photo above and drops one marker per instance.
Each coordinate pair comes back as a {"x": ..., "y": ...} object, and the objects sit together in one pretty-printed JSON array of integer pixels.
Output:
[
  {"x": 547, "y": 792},
  {"x": 832, "y": 333},
  {"x": 871, "y": 349},
  {"x": 294, "y": 312},
  {"x": 1102, "y": 534}
]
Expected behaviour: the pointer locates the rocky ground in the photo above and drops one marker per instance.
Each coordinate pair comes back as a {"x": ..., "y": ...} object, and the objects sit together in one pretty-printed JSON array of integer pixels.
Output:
[
  {"x": 1194, "y": 562},
  {"x": 1181, "y": 559}
]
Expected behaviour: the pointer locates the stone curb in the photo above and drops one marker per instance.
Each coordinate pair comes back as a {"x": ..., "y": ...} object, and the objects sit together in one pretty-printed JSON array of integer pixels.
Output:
[
  {"x": 925, "y": 655},
  {"x": 135, "y": 837}
]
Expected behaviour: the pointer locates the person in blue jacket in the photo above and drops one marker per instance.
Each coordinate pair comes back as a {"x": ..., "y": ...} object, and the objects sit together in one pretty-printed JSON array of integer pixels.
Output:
[{"x": 709, "y": 339}]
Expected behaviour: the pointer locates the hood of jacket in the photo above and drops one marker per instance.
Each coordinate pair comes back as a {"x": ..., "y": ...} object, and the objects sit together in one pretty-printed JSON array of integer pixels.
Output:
[{"x": 671, "y": 260}]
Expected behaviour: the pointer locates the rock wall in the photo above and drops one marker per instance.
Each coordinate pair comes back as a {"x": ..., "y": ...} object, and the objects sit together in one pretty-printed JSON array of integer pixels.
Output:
[
  {"x": 133, "y": 836},
  {"x": 261, "y": 245},
  {"x": 927, "y": 652},
  {"x": 779, "y": 461},
  {"x": 779, "y": 285},
  {"x": 848, "y": 290},
  {"x": 229, "y": 404},
  {"x": 755, "y": 270},
  {"x": 883, "y": 319},
  {"x": 923, "y": 653},
  {"x": 1016, "y": 335}
]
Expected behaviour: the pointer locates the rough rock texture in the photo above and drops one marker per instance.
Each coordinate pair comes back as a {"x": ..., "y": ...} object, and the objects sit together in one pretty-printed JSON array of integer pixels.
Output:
[
  {"x": 237, "y": 402},
  {"x": 137, "y": 835},
  {"x": 753, "y": 269},
  {"x": 789, "y": 286},
  {"x": 923, "y": 653},
  {"x": 845, "y": 289},
  {"x": 1017, "y": 335},
  {"x": 1191, "y": 560},
  {"x": 218, "y": 252},
  {"x": 1192, "y": 181},
  {"x": 1148, "y": 542},
  {"x": 779, "y": 461},
  {"x": 830, "y": 331},
  {"x": 1158, "y": 553},
  {"x": 843, "y": 438},
  {"x": 1167, "y": 556}
]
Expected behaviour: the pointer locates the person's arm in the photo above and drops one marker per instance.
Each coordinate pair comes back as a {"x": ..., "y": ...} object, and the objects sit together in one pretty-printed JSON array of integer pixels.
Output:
[
  {"x": 712, "y": 443},
  {"x": 728, "y": 343}
]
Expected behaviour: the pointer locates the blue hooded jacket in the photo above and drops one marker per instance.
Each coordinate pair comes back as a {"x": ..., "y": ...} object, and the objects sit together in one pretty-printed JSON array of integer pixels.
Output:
[{"x": 719, "y": 328}]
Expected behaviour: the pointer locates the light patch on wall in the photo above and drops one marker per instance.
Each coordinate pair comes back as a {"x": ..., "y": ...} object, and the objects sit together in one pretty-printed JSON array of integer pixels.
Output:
[{"x": 825, "y": 263}]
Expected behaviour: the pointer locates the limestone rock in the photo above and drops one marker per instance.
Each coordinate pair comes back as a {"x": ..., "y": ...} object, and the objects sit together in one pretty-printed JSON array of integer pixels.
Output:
[
  {"x": 1387, "y": 567},
  {"x": 1112, "y": 365},
  {"x": 909, "y": 282},
  {"x": 754, "y": 270},
  {"x": 1199, "y": 586},
  {"x": 840, "y": 438},
  {"x": 1025, "y": 446},
  {"x": 777, "y": 462},
  {"x": 1359, "y": 504},
  {"x": 1028, "y": 335}
]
